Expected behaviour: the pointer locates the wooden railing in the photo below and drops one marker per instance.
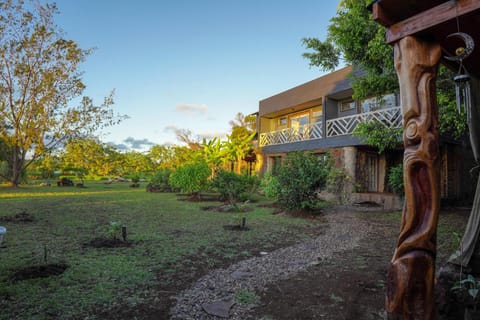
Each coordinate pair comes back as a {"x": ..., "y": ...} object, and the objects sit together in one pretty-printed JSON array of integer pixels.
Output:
[
  {"x": 306, "y": 132},
  {"x": 391, "y": 117}
]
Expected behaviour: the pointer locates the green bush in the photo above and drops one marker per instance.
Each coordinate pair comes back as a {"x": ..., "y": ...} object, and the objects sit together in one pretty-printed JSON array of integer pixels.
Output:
[
  {"x": 269, "y": 185},
  {"x": 376, "y": 134},
  {"x": 191, "y": 178},
  {"x": 395, "y": 180},
  {"x": 234, "y": 187},
  {"x": 300, "y": 178},
  {"x": 160, "y": 182}
]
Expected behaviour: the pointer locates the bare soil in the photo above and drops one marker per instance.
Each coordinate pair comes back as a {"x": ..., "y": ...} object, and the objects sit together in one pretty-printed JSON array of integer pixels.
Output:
[
  {"x": 351, "y": 285},
  {"x": 41, "y": 271},
  {"x": 21, "y": 217},
  {"x": 107, "y": 243}
]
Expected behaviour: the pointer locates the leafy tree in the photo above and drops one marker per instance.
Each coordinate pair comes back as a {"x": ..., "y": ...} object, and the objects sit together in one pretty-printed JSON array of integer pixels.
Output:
[
  {"x": 160, "y": 181},
  {"x": 214, "y": 154},
  {"x": 237, "y": 148},
  {"x": 301, "y": 176},
  {"x": 269, "y": 185},
  {"x": 39, "y": 77},
  {"x": 378, "y": 135},
  {"x": 231, "y": 186},
  {"x": 47, "y": 165},
  {"x": 162, "y": 156},
  {"x": 191, "y": 178},
  {"x": 137, "y": 164},
  {"x": 354, "y": 37},
  {"x": 243, "y": 125},
  {"x": 92, "y": 156},
  {"x": 395, "y": 179}
]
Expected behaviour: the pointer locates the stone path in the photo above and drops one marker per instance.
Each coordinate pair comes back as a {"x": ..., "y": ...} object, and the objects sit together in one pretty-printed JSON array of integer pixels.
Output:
[{"x": 216, "y": 295}]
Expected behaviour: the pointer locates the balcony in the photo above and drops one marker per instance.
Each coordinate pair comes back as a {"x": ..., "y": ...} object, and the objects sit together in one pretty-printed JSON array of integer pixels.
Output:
[
  {"x": 391, "y": 117},
  {"x": 306, "y": 132}
]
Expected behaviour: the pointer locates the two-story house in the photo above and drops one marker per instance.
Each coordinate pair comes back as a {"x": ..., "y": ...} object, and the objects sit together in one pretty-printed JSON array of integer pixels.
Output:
[{"x": 320, "y": 116}]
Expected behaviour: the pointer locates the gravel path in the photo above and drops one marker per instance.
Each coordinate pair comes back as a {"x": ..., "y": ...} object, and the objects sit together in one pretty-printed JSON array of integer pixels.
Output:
[{"x": 221, "y": 286}]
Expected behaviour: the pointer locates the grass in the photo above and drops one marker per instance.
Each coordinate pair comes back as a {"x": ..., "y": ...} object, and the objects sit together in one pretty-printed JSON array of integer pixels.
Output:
[{"x": 168, "y": 236}]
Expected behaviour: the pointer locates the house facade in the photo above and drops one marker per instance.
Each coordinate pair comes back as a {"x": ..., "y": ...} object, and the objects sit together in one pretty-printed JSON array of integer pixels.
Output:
[{"x": 319, "y": 116}]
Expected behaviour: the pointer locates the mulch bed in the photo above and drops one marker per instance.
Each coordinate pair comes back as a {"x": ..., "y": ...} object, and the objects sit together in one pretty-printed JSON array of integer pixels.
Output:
[
  {"x": 22, "y": 217},
  {"x": 107, "y": 243},
  {"x": 41, "y": 271}
]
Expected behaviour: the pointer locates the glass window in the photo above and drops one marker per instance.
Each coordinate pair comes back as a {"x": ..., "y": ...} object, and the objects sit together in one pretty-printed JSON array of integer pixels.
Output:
[
  {"x": 376, "y": 103},
  {"x": 347, "y": 105},
  {"x": 282, "y": 122},
  {"x": 299, "y": 120},
  {"x": 317, "y": 114}
]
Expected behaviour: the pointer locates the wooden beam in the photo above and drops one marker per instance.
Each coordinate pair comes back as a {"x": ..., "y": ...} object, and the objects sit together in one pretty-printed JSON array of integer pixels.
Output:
[
  {"x": 381, "y": 15},
  {"x": 425, "y": 19}
]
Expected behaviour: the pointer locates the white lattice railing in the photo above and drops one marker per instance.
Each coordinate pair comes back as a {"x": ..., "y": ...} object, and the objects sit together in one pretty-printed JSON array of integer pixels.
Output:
[
  {"x": 391, "y": 117},
  {"x": 306, "y": 132}
]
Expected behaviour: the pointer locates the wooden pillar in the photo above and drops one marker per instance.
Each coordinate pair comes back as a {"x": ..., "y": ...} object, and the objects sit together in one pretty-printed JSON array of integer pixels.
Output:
[{"x": 410, "y": 277}]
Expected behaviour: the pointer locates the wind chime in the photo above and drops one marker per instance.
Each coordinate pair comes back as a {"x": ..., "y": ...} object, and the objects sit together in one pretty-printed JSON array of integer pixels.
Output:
[{"x": 462, "y": 79}]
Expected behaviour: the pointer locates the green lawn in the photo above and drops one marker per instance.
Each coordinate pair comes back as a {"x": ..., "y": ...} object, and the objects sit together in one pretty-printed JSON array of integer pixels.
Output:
[{"x": 167, "y": 236}]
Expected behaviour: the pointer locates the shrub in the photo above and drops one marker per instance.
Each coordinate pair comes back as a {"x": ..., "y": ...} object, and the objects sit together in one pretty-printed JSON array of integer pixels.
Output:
[
  {"x": 338, "y": 182},
  {"x": 300, "y": 178},
  {"x": 270, "y": 186},
  {"x": 191, "y": 178},
  {"x": 376, "y": 134},
  {"x": 160, "y": 182},
  {"x": 232, "y": 186},
  {"x": 395, "y": 180}
]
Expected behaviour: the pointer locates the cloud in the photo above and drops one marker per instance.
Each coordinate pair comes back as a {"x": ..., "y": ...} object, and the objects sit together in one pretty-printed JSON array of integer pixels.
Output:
[
  {"x": 211, "y": 135},
  {"x": 131, "y": 143},
  {"x": 138, "y": 143},
  {"x": 192, "y": 108},
  {"x": 171, "y": 128}
]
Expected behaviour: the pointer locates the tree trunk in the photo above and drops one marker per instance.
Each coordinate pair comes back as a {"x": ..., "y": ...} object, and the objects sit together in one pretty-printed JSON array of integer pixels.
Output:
[
  {"x": 17, "y": 164},
  {"x": 410, "y": 278}
]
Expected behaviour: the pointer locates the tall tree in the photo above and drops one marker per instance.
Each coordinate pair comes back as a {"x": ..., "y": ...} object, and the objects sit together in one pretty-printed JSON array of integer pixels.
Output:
[
  {"x": 92, "y": 156},
  {"x": 39, "y": 78}
]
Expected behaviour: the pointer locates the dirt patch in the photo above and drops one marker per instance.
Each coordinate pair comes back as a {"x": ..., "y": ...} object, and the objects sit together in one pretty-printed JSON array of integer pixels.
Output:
[
  {"x": 41, "y": 271},
  {"x": 107, "y": 243},
  {"x": 21, "y": 217},
  {"x": 228, "y": 208},
  {"x": 235, "y": 227},
  {"x": 349, "y": 286}
]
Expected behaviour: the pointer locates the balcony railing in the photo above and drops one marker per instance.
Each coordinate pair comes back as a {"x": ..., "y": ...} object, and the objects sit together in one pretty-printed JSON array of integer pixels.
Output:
[
  {"x": 306, "y": 132},
  {"x": 391, "y": 118}
]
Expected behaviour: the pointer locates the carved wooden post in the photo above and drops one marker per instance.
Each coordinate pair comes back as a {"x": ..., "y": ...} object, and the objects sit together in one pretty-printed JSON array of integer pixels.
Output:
[{"x": 410, "y": 278}]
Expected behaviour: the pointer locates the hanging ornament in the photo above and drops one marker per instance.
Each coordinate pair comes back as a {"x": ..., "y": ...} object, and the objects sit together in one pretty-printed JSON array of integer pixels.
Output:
[{"x": 462, "y": 79}]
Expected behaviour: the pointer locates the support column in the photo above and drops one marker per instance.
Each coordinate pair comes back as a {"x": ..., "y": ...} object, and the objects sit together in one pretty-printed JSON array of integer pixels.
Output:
[{"x": 410, "y": 278}]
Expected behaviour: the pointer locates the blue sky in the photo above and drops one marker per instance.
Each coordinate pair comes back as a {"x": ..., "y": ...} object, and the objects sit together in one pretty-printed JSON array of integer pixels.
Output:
[{"x": 190, "y": 64}]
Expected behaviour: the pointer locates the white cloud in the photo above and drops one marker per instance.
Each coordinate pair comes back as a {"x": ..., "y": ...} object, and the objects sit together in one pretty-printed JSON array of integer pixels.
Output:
[
  {"x": 192, "y": 108},
  {"x": 131, "y": 143}
]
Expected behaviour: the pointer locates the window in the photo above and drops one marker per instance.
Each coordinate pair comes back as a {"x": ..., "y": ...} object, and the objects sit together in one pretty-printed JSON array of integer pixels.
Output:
[
  {"x": 317, "y": 114},
  {"x": 347, "y": 105},
  {"x": 282, "y": 122},
  {"x": 299, "y": 120},
  {"x": 376, "y": 103}
]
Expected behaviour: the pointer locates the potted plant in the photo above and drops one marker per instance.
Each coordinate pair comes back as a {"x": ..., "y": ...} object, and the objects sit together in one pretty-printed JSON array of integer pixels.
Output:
[{"x": 470, "y": 289}]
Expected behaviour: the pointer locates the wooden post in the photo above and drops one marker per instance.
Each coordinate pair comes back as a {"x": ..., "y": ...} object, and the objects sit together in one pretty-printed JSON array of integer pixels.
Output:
[{"x": 410, "y": 277}]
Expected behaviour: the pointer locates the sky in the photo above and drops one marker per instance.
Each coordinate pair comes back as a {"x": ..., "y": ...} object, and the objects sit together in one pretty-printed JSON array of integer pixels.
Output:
[{"x": 190, "y": 64}]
